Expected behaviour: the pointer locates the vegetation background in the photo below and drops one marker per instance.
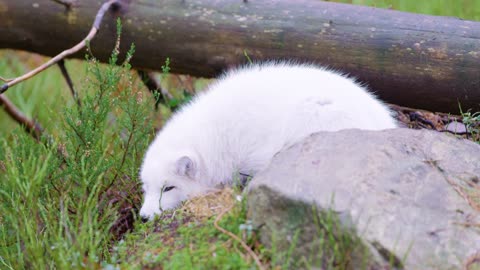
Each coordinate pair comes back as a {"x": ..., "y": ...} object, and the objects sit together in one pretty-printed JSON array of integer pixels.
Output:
[{"x": 66, "y": 203}]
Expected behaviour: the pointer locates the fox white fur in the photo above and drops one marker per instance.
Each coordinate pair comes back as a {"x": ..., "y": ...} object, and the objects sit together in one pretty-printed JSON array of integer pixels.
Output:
[{"x": 242, "y": 120}]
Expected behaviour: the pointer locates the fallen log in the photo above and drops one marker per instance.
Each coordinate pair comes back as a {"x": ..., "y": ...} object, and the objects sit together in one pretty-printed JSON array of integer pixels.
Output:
[{"x": 408, "y": 59}]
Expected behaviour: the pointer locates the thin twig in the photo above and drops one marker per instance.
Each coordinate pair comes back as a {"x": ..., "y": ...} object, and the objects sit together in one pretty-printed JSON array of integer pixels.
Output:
[
  {"x": 4, "y": 79},
  {"x": 153, "y": 85},
  {"x": 67, "y": 3},
  {"x": 236, "y": 238},
  {"x": 62, "y": 55},
  {"x": 456, "y": 132},
  {"x": 68, "y": 79},
  {"x": 29, "y": 125},
  {"x": 124, "y": 157},
  {"x": 415, "y": 116},
  {"x": 468, "y": 224}
]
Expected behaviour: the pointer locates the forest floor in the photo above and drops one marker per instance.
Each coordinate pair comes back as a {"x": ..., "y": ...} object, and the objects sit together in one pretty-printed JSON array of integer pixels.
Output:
[{"x": 466, "y": 125}]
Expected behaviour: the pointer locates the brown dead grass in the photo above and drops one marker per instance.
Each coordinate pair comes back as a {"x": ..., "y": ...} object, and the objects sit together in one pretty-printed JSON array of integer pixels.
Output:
[{"x": 210, "y": 204}]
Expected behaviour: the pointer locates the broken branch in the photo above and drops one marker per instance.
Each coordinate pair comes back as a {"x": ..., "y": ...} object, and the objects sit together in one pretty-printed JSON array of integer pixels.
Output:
[
  {"x": 68, "y": 79},
  {"x": 62, "y": 55},
  {"x": 31, "y": 126},
  {"x": 153, "y": 85},
  {"x": 67, "y": 3}
]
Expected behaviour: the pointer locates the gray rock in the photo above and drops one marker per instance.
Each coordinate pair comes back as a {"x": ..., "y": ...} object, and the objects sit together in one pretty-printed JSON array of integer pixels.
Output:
[
  {"x": 397, "y": 190},
  {"x": 456, "y": 127}
]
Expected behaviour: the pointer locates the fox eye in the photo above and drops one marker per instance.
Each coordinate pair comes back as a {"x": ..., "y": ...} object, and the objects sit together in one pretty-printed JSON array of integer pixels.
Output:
[{"x": 165, "y": 189}]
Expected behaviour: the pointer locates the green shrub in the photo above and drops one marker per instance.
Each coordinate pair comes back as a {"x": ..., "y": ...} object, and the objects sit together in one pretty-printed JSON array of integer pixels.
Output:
[{"x": 61, "y": 202}]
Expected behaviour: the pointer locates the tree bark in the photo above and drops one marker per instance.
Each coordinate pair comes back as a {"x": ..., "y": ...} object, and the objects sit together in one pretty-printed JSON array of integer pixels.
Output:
[{"x": 408, "y": 59}]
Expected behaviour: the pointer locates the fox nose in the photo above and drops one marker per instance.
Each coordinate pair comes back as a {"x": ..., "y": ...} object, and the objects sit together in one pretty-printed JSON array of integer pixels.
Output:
[{"x": 144, "y": 219}]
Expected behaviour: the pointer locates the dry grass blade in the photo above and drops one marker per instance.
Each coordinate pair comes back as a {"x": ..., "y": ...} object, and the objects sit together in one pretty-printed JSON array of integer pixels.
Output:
[
  {"x": 470, "y": 199},
  {"x": 210, "y": 204},
  {"x": 218, "y": 202},
  {"x": 236, "y": 238}
]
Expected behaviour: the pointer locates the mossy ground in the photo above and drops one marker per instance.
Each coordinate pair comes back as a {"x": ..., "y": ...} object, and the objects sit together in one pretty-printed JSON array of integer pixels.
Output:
[{"x": 186, "y": 238}]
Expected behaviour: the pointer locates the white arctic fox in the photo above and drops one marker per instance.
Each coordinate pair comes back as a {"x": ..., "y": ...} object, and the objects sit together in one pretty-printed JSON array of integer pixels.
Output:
[{"x": 242, "y": 120}]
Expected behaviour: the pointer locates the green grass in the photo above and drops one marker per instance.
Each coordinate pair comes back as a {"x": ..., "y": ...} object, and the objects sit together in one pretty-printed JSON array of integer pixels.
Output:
[
  {"x": 63, "y": 203},
  {"x": 42, "y": 97},
  {"x": 178, "y": 240},
  {"x": 472, "y": 124},
  {"x": 60, "y": 202},
  {"x": 465, "y": 9}
]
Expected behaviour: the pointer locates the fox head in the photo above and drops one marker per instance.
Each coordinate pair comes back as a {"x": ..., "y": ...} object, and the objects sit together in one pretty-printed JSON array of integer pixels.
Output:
[{"x": 169, "y": 179}]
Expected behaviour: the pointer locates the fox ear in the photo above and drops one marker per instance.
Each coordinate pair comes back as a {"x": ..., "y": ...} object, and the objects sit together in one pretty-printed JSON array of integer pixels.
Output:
[{"x": 186, "y": 167}]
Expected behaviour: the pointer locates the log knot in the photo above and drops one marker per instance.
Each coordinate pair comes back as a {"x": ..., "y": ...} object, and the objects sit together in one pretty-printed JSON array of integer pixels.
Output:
[{"x": 3, "y": 88}]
